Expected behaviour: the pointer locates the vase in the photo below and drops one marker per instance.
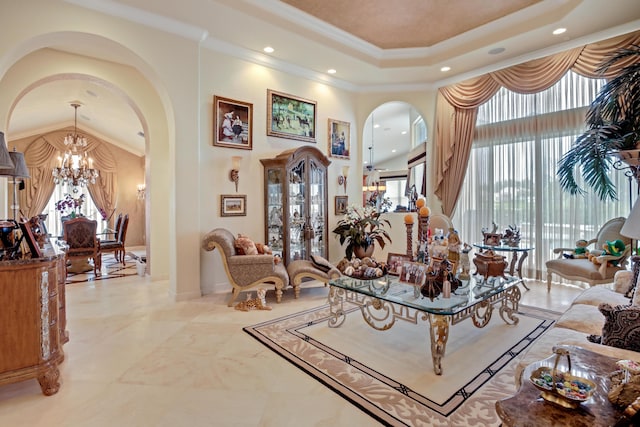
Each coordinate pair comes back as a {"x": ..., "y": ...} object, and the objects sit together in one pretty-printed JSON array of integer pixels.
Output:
[{"x": 361, "y": 252}]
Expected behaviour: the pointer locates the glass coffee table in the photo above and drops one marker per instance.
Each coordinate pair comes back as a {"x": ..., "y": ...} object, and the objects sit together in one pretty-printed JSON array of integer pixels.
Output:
[{"x": 384, "y": 300}]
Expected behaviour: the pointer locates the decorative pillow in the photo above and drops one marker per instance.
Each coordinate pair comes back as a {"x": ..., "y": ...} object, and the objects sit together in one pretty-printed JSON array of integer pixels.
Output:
[
  {"x": 636, "y": 297},
  {"x": 621, "y": 327},
  {"x": 263, "y": 249},
  {"x": 321, "y": 263},
  {"x": 636, "y": 275},
  {"x": 245, "y": 246}
]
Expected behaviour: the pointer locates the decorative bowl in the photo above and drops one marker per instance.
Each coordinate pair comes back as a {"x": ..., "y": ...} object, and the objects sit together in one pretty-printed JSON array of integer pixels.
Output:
[{"x": 562, "y": 388}]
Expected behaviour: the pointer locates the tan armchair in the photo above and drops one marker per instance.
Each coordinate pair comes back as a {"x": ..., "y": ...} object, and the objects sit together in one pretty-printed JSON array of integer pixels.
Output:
[
  {"x": 245, "y": 271},
  {"x": 584, "y": 270}
]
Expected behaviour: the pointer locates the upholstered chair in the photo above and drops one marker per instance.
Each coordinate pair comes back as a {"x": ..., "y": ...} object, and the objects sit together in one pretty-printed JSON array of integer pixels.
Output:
[
  {"x": 82, "y": 242},
  {"x": 245, "y": 271},
  {"x": 583, "y": 269},
  {"x": 117, "y": 246}
]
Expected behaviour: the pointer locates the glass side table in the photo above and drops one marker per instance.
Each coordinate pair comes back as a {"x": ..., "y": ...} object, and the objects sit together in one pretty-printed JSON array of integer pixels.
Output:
[{"x": 519, "y": 254}]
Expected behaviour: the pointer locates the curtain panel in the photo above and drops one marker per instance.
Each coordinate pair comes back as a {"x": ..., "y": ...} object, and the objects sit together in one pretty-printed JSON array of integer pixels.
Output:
[
  {"x": 41, "y": 157},
  {"x": 457, "y": 105}
]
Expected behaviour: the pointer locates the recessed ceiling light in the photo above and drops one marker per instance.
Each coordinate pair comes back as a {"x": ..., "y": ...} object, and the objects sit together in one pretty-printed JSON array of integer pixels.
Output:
[
  {"x": 365, "y": 162},
  {"x": 268, "y": 49},
  {"x": 404, "y": 132},
  {"x": 445, "y": 69},
  {"x": 393, "y": 151},
  {"x": 496, "y": 50},
  {"x": 376, "y": 126},
  {"x": 559, "y": 31},
  {"x": 331, "y": 71}
]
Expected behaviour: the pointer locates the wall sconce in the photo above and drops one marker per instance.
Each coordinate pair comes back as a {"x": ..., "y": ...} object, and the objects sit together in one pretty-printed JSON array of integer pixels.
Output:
[
  {"x": 141, "y": 191},
  {"x": 342, "y": 179},
  {"x": 234, "y": 175}
]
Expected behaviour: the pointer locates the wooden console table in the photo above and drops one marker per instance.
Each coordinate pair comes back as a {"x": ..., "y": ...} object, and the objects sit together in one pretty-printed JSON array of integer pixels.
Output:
[
  {"x": 528, "y": 409},
  {"x": 33, "y": 320}
]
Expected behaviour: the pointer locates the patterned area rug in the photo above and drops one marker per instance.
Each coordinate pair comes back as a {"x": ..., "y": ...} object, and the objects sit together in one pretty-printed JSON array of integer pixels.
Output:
[
  {"x": 111, "y": 269},
  {"x": 389, "y": 374}
]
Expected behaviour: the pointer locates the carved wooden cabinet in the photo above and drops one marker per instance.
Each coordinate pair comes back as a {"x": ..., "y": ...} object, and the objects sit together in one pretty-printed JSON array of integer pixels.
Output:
[
  {"x": 32, "y": 321},
  {"x": 295, "y": 199}
]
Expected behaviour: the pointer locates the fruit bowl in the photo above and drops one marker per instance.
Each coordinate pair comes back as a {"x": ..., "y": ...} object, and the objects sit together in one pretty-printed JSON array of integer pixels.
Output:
[{"x": 562, "y": 388}]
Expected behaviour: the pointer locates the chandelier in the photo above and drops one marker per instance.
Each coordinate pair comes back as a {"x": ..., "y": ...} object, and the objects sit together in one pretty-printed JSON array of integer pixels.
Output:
[{"x": 76, "y": 167}]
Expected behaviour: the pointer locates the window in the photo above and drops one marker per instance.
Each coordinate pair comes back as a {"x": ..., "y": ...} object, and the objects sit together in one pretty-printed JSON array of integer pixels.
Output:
[
  {"x": 395, "y": 193},
  {"x": 89, "y": 209},
  {"x": 511, "y": 176}
]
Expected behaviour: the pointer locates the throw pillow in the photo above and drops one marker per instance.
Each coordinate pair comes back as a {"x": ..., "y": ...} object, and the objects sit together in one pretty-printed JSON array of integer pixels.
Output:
[
  {"x": 621, "y": 327},
  {"x": 636, "y": 275},
  {"x": 320, "y": 263},
  {"x": 245, "y": 246}
]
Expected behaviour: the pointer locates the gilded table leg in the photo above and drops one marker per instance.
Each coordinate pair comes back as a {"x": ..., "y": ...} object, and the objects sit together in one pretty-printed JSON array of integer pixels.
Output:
[
  {"x": 509, "y": 306},
  {"x": 439, "y": 333},
  {"x": 336, "y": 307},
  {"x": 524, "y": 256}
]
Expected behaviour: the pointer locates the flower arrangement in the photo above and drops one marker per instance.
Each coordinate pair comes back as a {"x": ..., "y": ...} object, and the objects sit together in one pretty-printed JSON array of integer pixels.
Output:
[
  {"x": 70, "y": 206},
  {"x": 362, "y": 226}
]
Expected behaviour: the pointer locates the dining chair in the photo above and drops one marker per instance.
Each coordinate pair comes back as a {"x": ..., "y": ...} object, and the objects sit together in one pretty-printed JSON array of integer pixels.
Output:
[
  {"x": 82, "y": 243},
  {"x": 117, "y": 246}
]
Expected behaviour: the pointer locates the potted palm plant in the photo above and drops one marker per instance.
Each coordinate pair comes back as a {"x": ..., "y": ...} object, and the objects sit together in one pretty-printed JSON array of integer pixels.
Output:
[
  {"x": 361, "y": 228},
  {"x": 613, "y": 130}
]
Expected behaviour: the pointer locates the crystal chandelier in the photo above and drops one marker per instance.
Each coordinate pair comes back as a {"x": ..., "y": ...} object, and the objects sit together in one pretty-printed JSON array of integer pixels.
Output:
[{"x": 75, "y": 168}]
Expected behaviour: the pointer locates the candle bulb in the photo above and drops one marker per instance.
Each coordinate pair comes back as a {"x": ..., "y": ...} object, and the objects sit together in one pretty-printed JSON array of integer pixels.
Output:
[{"x": 408, "y": 219}]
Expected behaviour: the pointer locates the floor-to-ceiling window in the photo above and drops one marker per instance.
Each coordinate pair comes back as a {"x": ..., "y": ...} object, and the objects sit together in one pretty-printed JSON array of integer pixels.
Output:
[{"x": 511, "y": 177}]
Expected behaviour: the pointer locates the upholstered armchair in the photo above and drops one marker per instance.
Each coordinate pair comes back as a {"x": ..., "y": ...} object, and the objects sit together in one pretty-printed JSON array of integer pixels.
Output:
[
  {"x": 82, "y": 242},
  {"x": 583, "y": 269},
  {"x": 245, "y": 271}
]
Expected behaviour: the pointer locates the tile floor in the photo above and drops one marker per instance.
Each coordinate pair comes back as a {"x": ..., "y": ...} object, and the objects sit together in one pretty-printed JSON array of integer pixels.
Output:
[{"x": 136, "y": 358}]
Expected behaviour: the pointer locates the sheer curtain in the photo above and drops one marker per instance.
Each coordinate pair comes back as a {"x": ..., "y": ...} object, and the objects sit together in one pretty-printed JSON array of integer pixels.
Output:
[{"x": 511, "y": 175}]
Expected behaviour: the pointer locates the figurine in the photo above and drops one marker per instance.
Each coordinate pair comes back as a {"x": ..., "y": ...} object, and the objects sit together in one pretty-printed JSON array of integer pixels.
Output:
[{"x": 465, "y": 262}]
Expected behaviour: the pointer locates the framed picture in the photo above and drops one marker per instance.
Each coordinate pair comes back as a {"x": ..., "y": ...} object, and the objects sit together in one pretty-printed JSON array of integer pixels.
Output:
[
  {"x": 341, "y": 204},
  {"x": 395, "y": 261},
  {"x": 233, "y": 205},
  {"x": 290, "y": 117},
  {"x": 30, "y": 238},
  {"x": 339, "y": 139},
  {"x": 412, "y": 272},
  {"x": 492, "y": 239},
  {"x": 232, "y": 123}
]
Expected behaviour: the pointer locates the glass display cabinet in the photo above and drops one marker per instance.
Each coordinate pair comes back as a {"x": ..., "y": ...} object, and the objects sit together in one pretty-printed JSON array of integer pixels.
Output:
[{"x": 296, "y": 203}]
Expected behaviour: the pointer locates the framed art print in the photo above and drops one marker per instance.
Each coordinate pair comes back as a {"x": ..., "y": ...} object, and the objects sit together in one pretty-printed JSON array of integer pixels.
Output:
[
  {"x": 232, "y": 123},
  {"x": 341, "y": 204},
  {"x": 290, "y": 117},
  {"x": 233, "y": 205},
  {"x": 395, "y": 261},
  {"x": 339, "y": 139}
]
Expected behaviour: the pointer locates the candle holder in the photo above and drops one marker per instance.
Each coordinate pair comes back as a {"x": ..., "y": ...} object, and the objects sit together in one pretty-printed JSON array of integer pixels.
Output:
[{"x": 409, "y": 239}]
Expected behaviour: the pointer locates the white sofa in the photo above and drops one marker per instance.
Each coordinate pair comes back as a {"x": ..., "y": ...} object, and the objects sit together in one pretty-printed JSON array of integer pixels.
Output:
[{"x": 582, "y": 319}]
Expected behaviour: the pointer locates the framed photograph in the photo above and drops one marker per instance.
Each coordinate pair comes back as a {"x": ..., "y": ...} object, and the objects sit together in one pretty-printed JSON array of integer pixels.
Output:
[
  {"x": 290, "y": 117},
  {"x": 341, "y": 204},
  {"x": 232, "y": 123},
  {"x": 339, "y": 139},
  {"x": 30, "y": 238},
  {"x": 233, "y": 205},
  {"x": 395, "y": 261},
  {"x": 492, "y": 239},
  {"x": 412, "y": 272}
]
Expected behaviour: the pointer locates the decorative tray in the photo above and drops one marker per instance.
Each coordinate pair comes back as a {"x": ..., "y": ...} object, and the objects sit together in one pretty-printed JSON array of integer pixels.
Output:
[{"x": 562, "y": 388}]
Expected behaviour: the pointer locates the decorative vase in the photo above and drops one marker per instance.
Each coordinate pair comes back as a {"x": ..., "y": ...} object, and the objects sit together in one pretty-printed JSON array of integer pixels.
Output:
[{"x": 361, "y": 252}]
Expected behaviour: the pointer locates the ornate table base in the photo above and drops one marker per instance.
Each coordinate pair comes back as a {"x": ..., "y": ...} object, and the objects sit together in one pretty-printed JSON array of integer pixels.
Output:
[{"x": 381, "y": 314}]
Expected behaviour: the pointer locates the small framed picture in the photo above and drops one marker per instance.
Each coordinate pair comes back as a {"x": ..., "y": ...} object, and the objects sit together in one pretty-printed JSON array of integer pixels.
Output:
[
  {"x": 413, "y": 272},
  {"x": 492, "y": 239},
  {"x": 339, "y": 139},
  {"x": 341, "y": 204},
  {"x": 291, "y": 117},
  {"x": 395, "y": 261},
  {"x": 233, "y": 205},
  {"x": 232, "y": 123},
  {"x": 30, "y": 238}
]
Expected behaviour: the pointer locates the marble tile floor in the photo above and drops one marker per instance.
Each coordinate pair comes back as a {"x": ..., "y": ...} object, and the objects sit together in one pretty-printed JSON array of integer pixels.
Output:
[{"x": 136, "y": 358}]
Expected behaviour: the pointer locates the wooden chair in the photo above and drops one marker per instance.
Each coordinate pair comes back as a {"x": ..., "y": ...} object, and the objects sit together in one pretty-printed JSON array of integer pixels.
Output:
[
  {"x": 117, "y": 246},
  {"x": 82, "y": 242},
  {"x": 582, "y": 269}
]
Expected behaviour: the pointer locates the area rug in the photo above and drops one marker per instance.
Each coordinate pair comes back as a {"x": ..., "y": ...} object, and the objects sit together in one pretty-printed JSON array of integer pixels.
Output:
[
  {"x": 110, "y": 270},
  {"x": 389, "y": 374}
]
